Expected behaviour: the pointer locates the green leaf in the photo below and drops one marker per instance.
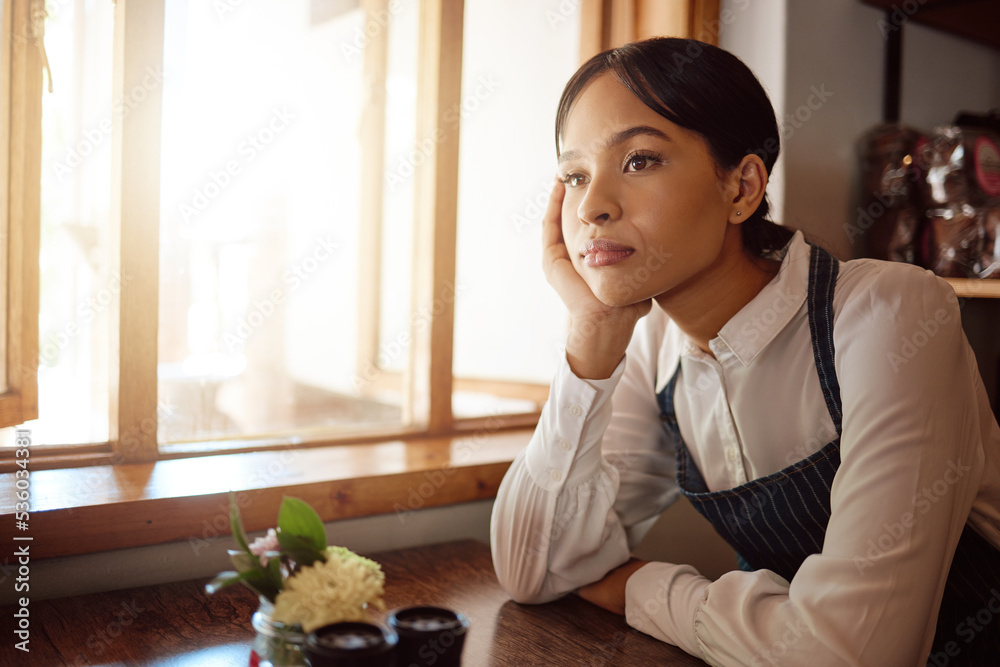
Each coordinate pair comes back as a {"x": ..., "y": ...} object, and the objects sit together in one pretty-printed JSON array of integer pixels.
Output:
[
  {"x": 243, "y": 561},
  {"x": 236, "y": 523},
  {"x": 299, "y": 527},
  {"x": 273, "y": 571},
  {"x": 263, "y": 582},
  {"x": 260, "y": 582},
  {"x": 301, "y": 551},
  {"x": 223, "y": 580}
]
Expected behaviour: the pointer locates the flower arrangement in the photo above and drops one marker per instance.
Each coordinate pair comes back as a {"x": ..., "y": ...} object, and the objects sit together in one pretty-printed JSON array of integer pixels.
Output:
[{"x": 309, "y": 583}]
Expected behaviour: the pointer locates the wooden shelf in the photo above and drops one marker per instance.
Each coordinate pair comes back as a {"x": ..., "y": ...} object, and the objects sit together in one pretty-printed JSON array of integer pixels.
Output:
[
  {"x": 972, "y": 19},
  {"x": 975, "y": 289},
  {"x": 100, "y": 508}
]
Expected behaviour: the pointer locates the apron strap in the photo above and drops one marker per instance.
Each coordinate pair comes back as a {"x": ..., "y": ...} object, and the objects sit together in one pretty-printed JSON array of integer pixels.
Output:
[{"x": 823, "y": 269}]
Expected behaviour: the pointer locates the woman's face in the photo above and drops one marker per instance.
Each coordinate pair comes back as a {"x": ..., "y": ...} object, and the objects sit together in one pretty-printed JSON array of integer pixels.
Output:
[{"x": 645, "y": 210}]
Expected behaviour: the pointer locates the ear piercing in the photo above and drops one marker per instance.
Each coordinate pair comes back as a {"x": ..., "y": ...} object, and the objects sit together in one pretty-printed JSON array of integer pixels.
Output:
[{"x": 739, "y": 212}]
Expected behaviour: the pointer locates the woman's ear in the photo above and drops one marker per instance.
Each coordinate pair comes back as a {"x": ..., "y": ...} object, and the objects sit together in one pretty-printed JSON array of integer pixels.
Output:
[{"x": 752, "y": 182}]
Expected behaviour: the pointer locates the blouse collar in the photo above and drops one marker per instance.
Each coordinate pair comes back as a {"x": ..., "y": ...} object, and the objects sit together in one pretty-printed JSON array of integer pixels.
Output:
[{"x": 743, "y": 337}]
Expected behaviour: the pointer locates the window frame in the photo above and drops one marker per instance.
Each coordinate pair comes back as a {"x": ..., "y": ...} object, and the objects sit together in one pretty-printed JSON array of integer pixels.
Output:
[
  {"x": 20, "y": 171},
  {"x": 115, "y": 506},
  {"x": 428, "y": 381}
]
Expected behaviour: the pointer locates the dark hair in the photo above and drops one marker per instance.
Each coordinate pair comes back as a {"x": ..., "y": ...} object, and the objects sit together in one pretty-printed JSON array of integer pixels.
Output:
[{"x": 704, "y": 89}]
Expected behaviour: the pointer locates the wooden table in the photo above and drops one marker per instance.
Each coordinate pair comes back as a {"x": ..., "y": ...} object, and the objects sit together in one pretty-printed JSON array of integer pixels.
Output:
[{"x": 179, "y": 624}]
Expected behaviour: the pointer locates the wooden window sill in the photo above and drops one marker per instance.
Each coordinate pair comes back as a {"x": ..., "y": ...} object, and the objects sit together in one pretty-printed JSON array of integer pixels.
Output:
[{"x": 100, "y": 508}]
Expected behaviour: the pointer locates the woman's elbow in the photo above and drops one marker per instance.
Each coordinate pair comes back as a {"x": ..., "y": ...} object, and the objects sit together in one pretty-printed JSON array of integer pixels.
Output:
[
  {"x": 522, "y": 581},
  {"x": 528, "y": 594}
]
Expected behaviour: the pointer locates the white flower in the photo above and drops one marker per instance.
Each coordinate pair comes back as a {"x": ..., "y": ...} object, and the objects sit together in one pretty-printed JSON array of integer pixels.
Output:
[{"x": 338, "y": 590}]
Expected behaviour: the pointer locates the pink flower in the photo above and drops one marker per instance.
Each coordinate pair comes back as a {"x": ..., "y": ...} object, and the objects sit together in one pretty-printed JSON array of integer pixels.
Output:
[{"x": 260, "y": 546}]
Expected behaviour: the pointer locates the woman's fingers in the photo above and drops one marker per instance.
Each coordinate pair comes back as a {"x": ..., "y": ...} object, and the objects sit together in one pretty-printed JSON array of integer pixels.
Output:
[
  {"x": 556, "y": 263},
  {"x": 558, "y": 267},
  {"x": 599, "y": 333},
  {"x": 552, "y": 238}
]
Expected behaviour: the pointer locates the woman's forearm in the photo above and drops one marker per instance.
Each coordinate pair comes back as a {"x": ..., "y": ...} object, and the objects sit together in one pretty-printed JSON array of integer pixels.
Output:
[{"x": 554, "y": 526}]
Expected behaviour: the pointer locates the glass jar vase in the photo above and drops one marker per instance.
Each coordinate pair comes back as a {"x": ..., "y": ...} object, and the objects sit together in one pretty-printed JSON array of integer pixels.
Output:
[{"x": 276, "y": 644}]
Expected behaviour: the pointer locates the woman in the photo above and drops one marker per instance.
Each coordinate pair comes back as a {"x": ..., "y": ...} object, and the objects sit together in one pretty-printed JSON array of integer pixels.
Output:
[{"x": 828, "y": 418}]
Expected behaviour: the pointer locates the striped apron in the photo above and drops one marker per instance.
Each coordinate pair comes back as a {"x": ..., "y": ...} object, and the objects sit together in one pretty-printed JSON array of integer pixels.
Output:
[{"x": 775, "y": 522}]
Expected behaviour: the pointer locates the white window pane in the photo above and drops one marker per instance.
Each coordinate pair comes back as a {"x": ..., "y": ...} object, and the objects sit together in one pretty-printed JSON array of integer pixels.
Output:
[
  {"x": 259, "y": 221},
  {"x": 76, "y": 285},
  {"x": 401, "y": 151},
  {"x": 508, "y": 323}
]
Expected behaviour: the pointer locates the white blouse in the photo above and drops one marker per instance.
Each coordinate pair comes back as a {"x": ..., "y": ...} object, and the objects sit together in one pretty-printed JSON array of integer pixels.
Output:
[{"x": 920, "y": 453}]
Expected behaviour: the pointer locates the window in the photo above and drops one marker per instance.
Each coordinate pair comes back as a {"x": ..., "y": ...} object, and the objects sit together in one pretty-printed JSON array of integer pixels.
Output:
[
  {"x": 285, "y": 222},
  {"x": 261, "y": 232},
  {"x": 4, "y": 171},
  {"x": 507, "y": 331},
  {"x": 76, "y": 283},
  {"x": 20, "y": 93}
]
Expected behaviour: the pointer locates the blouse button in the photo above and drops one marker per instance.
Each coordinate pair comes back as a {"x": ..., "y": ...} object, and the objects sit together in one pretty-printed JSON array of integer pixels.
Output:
[
  {"x": 575, "y": 410},
  {"x": 733, "y": 455},
  {"x": 565, "y": 445},
  {"x": 555, "y": 475}
]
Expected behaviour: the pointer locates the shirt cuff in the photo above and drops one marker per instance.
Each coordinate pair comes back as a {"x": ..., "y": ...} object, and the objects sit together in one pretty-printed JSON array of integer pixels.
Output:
[
  {"x": 571, "y": 427},
  {"x": 661, "y": 599}
]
